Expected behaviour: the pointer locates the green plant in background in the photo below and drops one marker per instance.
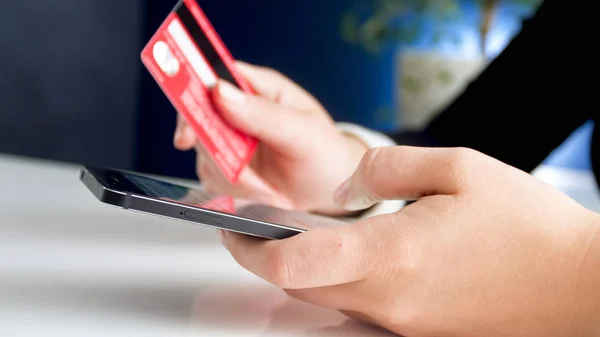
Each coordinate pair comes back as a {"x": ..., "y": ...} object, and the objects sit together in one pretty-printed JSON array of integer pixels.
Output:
[
  {"x": 374, "y": 23},
  {"x": 488, "y": 12}
]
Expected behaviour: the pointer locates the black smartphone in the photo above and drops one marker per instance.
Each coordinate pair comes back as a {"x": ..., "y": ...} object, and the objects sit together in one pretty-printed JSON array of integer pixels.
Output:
[{"x": 137, "y": 192}]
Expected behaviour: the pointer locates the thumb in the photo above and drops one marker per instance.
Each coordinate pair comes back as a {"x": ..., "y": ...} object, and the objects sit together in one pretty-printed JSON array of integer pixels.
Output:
[
  {"x": 404, "y": 173},
  {"x": 276, "y": 125}
]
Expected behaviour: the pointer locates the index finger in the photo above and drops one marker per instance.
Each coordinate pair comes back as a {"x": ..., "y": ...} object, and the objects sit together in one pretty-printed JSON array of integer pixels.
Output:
[
  {"x": 276, "y": 87},
  {"x": 316, "y": 258}
]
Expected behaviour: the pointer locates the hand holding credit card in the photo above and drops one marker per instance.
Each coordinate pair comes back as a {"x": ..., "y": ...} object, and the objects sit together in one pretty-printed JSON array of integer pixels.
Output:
[{"x": 186, "y": 57}]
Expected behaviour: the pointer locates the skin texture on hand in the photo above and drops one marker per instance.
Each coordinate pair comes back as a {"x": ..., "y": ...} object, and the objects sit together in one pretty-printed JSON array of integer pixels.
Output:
[
  {"x": 302, "y": 157},
  {"x": 486, "y": 250}
]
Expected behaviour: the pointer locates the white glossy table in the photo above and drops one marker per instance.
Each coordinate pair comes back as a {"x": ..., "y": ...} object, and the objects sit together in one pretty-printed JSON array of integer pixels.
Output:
[{"x": 70, "y": 266}]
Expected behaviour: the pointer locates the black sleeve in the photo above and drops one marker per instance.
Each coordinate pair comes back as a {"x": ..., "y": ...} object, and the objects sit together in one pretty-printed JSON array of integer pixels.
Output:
[{"x": 522, "y": 106}]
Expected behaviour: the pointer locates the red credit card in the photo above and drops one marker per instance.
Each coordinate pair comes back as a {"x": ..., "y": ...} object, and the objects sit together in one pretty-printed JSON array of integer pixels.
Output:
[{"x": 185, "y": 57}]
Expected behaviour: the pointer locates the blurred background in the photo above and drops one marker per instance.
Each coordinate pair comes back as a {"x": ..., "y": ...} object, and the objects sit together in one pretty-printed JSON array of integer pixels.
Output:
[{"x": 73, "y": 88}]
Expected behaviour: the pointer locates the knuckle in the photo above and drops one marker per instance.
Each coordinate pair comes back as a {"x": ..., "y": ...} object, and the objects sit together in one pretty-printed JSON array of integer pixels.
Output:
[
  {"x": 460, "y": 155},
  {"x": 203, "y": 172},
  {"x": 279, "y": 271},
  {"x": 275, "y": 74},
  {"x": 407, "y": 320},
  {"x": 459, "y": 164}
]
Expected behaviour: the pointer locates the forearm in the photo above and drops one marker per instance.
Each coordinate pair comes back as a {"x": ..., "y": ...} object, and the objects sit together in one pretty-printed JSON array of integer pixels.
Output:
[{"x": 588, "y": 282}]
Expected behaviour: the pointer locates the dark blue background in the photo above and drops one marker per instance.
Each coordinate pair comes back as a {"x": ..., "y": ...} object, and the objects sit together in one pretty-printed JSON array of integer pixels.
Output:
[
  {"x": 299, "y": 38},
  {"x": 73, "y": 87},
  {"x": 302, "y": 39}
]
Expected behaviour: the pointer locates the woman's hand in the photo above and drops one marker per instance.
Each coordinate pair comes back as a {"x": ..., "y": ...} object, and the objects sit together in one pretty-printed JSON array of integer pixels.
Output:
[
  {"x": 302, "y": 157},
  {"x": 487, "y": 250}
]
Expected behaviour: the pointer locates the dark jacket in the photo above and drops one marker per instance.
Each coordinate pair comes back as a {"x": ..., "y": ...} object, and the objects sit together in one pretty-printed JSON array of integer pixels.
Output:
[{"x": 531, "y": 97}]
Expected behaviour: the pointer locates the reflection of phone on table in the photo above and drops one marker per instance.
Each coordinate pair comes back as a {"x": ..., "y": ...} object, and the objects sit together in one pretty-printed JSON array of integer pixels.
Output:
[{"x": 143, "y": 194}]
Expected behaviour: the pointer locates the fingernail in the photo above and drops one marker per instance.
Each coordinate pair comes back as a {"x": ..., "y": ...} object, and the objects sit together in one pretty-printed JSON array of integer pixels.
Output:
[
  {"x": 188, "y": 133},
  {"x": 230, "y": 93},
  {"x": 342, "y": 193}
]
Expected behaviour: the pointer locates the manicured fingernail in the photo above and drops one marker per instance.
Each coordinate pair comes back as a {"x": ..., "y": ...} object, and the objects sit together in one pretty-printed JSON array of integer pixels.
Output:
[
  {"x": 230, "y": 93},
  {"x": 342, "y": 193}
]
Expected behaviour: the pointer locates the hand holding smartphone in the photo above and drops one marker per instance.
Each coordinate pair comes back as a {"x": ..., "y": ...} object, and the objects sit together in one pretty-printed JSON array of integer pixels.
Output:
[{"x": 140, "y": 193}]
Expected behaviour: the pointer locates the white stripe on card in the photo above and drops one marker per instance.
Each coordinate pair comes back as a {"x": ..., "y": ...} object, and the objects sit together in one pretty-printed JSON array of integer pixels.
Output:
[{"x": 189, "y": 50}]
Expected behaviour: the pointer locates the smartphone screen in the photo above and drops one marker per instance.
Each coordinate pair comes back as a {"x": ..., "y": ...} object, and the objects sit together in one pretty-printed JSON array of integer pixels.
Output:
[{"x": 148, "y": 187}]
